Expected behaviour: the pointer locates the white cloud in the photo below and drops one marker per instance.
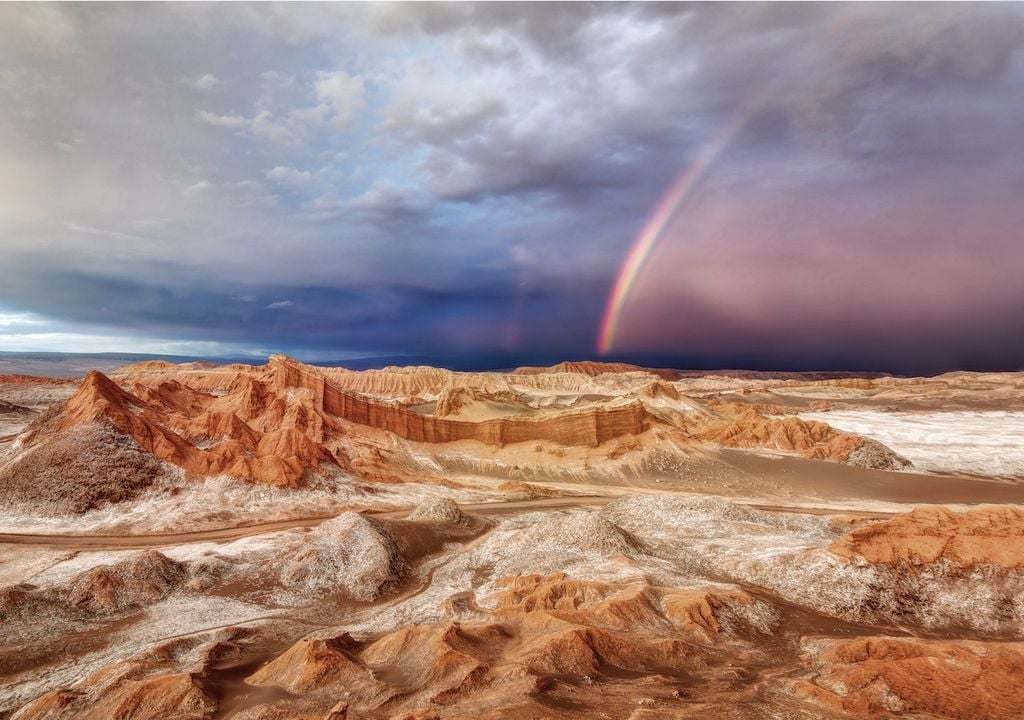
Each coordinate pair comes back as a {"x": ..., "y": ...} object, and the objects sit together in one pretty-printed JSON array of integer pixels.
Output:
[
  {"x": 88, "y": 230},
  {"x": 286, "y": 131},
  {"x": 19, "y": 319},
  {"x": 386, "y": 196},
  {"x": 250, "y": 185},
  {"x": 280, "y": 305},
  {"x": 87, "y": 342},
  {"x": 314, "y": 115},
  {"x": 22, "y": 331},
  {"x": 384, "y": 200},
  {"x": 235, "y": 122},
  {"x": 277, "y": 79},
  {"x": 343, "y": 93},
  {"x": 200, "y": 187},
  {"x": 203, "y": 83},
  {"x": 339, "y": 97},
  {"x": 284, "y": 175},
  {"x": 265, "y": 126}
]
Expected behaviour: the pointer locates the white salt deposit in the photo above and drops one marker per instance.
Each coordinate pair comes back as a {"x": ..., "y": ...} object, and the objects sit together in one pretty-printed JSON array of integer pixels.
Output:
[
  {"x": 352, "y": 553},
  {"x": 989, "y": 443},
  {"x": 786, "y": 553},
  {"x": 191, "y": 506}
]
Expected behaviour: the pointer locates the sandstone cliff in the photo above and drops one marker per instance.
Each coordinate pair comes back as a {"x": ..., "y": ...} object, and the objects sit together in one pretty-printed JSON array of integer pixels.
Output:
[{"x": 591, "y": 426}]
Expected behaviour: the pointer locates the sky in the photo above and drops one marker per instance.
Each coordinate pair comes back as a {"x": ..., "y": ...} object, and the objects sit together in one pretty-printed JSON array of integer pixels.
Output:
[{"x": 791, "y": 185}]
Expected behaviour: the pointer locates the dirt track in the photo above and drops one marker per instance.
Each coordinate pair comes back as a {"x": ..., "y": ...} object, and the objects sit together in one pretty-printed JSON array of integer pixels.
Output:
[{"x": 490, "y": 509}]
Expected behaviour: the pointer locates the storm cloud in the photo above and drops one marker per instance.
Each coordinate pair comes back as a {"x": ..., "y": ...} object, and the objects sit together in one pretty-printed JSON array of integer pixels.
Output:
[{"x": 341, "y": 179}]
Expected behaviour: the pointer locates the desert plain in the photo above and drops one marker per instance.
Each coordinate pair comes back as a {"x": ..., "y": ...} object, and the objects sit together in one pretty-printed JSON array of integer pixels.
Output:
[{"x": 588, "y": 540}]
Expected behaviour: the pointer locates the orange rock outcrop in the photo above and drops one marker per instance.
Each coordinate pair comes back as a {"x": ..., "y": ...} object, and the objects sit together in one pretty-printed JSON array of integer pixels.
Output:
[
  {"x": 982, "y": 536},
  {"x": 890, "y": 678},
  {"x": 280, "y": 423},
  {"x": 147, "y": 686},
  {"x": 163, "y": 425},
  {"x": 17, "y": 379},
  {"x": 741, "y": 426},
  {"x": 541, "y": 628},
  {"x": 591, "y": 426},
  {"x": 584, "y": 367}
]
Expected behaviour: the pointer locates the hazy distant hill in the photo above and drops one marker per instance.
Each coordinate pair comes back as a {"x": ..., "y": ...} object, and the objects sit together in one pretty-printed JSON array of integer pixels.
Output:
[{"x": 53, "y": 364}]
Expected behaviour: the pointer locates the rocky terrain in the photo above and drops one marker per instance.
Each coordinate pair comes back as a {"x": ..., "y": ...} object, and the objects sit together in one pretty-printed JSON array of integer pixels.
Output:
[{"x": 286, "y": 542}]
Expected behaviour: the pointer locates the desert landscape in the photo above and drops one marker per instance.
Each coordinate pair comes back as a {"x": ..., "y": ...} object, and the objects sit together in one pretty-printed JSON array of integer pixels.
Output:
[
  {"x": 516, "y": 360},
  {"x": 587, "y": 540}
]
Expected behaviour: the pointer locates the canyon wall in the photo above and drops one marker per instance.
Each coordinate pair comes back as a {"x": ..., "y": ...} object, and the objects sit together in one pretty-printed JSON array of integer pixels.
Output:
[{"x": 592, "y": 426}]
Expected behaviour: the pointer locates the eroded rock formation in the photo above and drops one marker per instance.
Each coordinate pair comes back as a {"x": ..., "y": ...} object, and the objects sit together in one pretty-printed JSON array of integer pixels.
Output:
[
  {"x": 285, "y": 424},
  {"x": 547, "y": 638},
  {"x": 992, "y": 536},
  {"x": 742, "y": 426},
  {"x": 902, "y": 677}
]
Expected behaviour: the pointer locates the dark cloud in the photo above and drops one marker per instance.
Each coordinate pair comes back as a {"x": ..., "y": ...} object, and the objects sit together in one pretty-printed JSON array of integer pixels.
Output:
[{"x": 469, "y": 176}]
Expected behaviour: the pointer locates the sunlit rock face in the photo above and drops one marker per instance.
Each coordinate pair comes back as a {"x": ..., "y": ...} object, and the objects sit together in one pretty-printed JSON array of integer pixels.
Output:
[{"x": 288, "y": 425}]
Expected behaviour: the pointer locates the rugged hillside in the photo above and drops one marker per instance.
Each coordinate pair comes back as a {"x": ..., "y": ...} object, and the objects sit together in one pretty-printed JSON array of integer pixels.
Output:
[
  {"x": 741, "y": 426},
  {"x": 549, "y": 641},
  {"x": 382, "y": 400},
  {"x": 992, "y": 536},
  {"x": 586, "y": 367},
  {"x": 591, "y": 426},
  {"x": 901, "y": 677},
  {"x": 284, "y": 423},
  {"x": 650, "y": 607},
  {"x": 7, "y": 408},
  {"x": 357, "y": 588},
  {"x": 176, "y": 425}
]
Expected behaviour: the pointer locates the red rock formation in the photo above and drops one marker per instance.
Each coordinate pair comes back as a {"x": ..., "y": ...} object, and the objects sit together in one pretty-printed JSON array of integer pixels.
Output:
[
  {"x": 7, "y": 408},
  {"x": 256, "y": 396},
  {"x": 985, "y": 536},
  {"x": 313, "y": 664},
  {"x": 692, "y": 613},
  {"x": 77, "y": 470},
  {"x": 152, "y": 685},
  {"x": 169, "y": 696},
  {"x": 889, "y": 678},
  {"x": 737, "y": 425},
  {"x": 221, "y": 425},
  {"x": 741, "y": 426},
  {"x": 453, "y": 400},
  {"x": 528, "y": 490},
  {"x": 543, "y": 627},
  {"x": 133, "y": 582},
  {"x": 584, "y": 367},
  {"x": 591, "y": 426},
  {"x": 17, "y": 379},
  {"x": 172, "y": 396},
  {"x": 136, "y": 581},
  {"x": 281, "y": 457},
  {"x": 272, "y": 424}
]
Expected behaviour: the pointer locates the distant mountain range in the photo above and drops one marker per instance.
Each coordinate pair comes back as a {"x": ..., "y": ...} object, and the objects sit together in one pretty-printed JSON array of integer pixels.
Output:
[{"x": 56, "y": 364}]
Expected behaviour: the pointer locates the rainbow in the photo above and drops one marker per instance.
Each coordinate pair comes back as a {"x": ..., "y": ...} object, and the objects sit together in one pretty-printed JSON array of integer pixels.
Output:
[{"x": 652, "y": 231}]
